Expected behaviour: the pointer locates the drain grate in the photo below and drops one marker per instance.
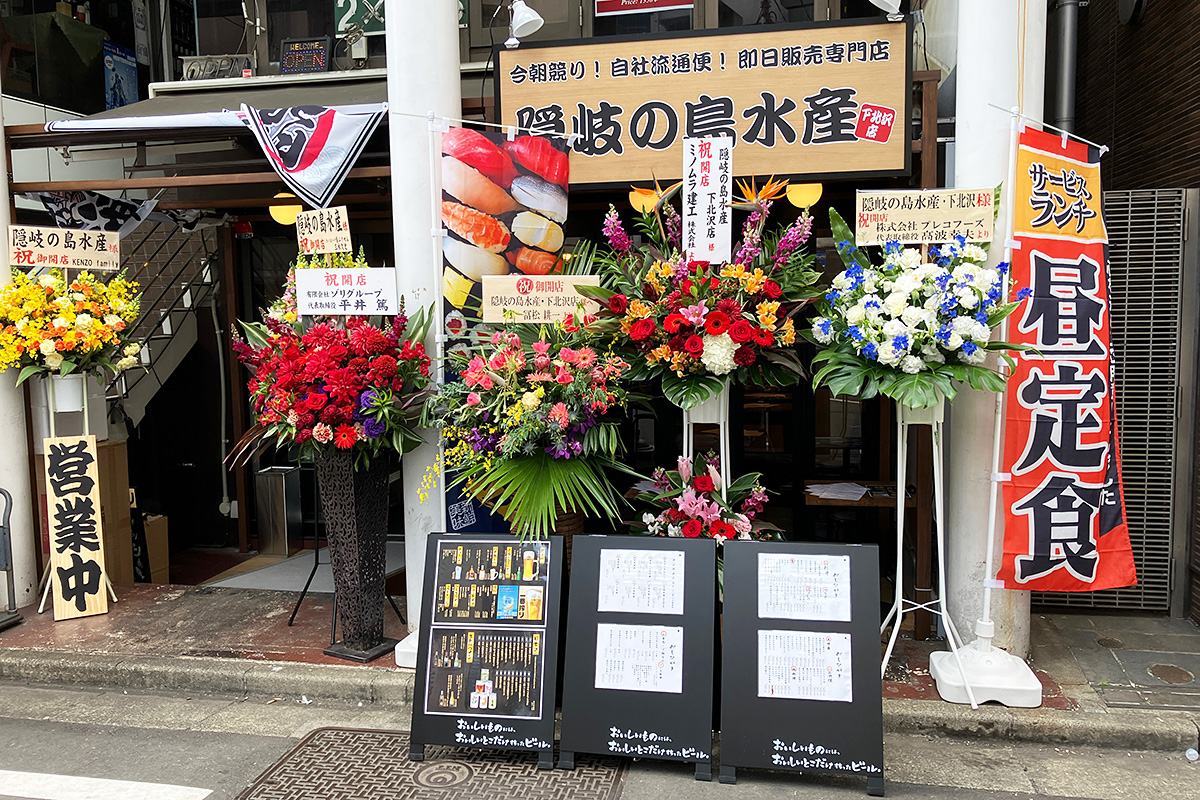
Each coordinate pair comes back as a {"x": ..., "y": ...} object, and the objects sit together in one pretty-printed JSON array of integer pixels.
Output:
[
  {"x": 1110, "y": 643},
  {"x": 349, "y": 764},
  {"x": 1170, "y": 673}
]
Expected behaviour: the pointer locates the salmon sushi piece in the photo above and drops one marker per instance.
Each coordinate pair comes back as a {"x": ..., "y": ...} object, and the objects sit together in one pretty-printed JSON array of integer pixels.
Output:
[{"x": 469, "y": 187}]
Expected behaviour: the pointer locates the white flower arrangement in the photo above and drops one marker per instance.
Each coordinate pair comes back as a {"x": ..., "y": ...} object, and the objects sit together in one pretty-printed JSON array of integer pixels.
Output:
[{"x": 907, "y": 328}]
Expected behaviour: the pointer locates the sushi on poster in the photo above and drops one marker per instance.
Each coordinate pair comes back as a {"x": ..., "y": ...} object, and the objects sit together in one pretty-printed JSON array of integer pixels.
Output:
[{"x": 504, "y": 204}]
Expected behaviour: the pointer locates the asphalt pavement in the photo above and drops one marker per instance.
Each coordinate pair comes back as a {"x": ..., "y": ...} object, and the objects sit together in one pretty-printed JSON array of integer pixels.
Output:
[{"x": 71, "y": 744}]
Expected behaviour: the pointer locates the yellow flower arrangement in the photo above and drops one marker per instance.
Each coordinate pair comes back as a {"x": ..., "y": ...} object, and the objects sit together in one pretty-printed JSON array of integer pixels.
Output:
[{"x": 48, "y": 325}]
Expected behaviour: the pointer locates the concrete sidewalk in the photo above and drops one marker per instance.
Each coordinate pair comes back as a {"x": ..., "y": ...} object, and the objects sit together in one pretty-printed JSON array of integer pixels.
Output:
[{"x": 236, "y": 643}]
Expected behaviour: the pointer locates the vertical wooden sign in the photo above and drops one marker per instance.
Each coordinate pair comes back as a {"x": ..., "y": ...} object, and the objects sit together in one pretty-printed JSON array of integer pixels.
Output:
[{"x": 76, "y": 537}]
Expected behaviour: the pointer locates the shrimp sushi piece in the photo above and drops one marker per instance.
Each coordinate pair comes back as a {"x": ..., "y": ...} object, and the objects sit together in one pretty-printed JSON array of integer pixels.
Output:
[
  {"x": 541, "y": 196},
  {"x": 476, "y": 150},
  {"x": 469, "y": 187},
  {"x": 537, "y": 231},
  {"x": 479, "y": 229},
  {"x": 533, "y": 262},
  {"x": 539, "y": 155},
  {"x": 471, "y": 261}
]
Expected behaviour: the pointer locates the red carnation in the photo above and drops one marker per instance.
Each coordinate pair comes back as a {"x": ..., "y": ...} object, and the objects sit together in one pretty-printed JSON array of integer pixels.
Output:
[
  {"x": 677, "y": 342},
  {"x": 771, "y": 289},
  {"x": 303, "y": 435},
  {"x": 694, "y": 346},
  {"x": 673, "y": 322},
  {"x": 703, "y": 483},
  {"x": 716, "y": 323},
  {"x": 744, "y": 356},
  {"x": 741, "y": 331},
  {"x": 642, "y": 329},
  {"x": 618, "y": 303},
  {"x": 763, "y": 337},
  {"x": 692, "y": 528}
]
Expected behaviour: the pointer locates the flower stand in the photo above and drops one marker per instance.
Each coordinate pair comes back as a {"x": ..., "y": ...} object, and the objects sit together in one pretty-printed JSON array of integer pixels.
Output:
[
  {"x": 713, "y": 411},
  {"x": 906, "y": 417},
  {"x": 354, "y": 503}
]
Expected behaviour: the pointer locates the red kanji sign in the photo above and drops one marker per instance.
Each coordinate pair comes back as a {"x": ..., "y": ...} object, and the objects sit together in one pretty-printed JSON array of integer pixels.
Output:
[{"x": 875, "y": 123}]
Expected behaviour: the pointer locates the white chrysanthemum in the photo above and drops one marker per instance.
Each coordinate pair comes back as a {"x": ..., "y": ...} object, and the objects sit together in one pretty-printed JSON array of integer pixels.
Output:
[
  {"x": 978, "y": 357},
  {"x": 818, "y": 334},
  {"x": 111, "y": 320},
  {"x": 127, "y": 362},
  {"x": 967, "y": 298},
  {"x": 974, "y": 252},
  {"x": 46, "y": 280},
  {"x": 717, "y": 356},
  {"x": 955, "y": 341},
  {"x": 932, "y": 355},
  {"x": 78, "y": 297},
  {"x": 895, "y": 303},
  {"x": 911, "y": 364},
  {"x": 83, "y": 322},
  {"x": 54, "y": 360},
  {"x": 963, "y": 326},
  {"x": 856, "y": 314},
  {"x": 59, "y": 322},
  {"x": 133, "y": 349},
  {"x": 47, "y": 347},
  {"x": 979, "y": 332}
]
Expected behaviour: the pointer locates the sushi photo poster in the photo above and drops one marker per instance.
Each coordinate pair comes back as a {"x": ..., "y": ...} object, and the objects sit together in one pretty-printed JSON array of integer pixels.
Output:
[{"x": 504, "y": 204}]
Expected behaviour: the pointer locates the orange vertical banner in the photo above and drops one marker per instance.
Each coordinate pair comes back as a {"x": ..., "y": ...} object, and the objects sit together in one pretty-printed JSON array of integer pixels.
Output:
[{"x": 1064, "y": 509}]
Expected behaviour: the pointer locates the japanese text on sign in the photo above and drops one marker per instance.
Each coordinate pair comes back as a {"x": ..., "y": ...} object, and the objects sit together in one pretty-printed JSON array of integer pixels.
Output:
[
  {"x": 924, "y": 216},
  {"x": 63, "y": 248},
  {"x": 535, "y": 298},
  {"x": 707, "y": 191},
  {"x": 827, "y": 100},
  {"x": 73, "y": 513},
  {"x": 324, "y": 230},
  {"x": 609, "y": 7},
  {"x": 1065, "y": 526},
  {"x": 347, "y": 292}
]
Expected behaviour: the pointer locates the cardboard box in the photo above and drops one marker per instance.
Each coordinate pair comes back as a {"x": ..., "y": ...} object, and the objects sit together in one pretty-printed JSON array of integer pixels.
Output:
[
  {"x": 158, "y": 548},
  {"x": 115, "y": 515},
  {"x": 65, "y": 8}
]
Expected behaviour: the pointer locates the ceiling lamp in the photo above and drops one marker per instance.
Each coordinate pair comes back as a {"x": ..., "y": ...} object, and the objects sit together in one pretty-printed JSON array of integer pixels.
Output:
[
  {"x": 804, "y": 195},
  {"x": 892, "y": 7},
  {"x": 284, "y": 214}
]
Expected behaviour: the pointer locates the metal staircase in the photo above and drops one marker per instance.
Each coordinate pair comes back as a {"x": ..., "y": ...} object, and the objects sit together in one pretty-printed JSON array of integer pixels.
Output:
[{"x": 176, "y": 270}]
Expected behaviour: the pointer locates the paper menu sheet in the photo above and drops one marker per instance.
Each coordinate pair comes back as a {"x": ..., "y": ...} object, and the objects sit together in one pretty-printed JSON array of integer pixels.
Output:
[
  {"x": 796, "y": 586},
  {"x": 640, "y": 658},
  {"x": 804, "y": 665},
  {"x": 641, "y": 581}
]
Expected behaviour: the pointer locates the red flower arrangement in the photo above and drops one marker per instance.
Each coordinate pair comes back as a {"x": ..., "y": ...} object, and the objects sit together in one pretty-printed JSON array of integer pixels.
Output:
[{"x": 357, "y": 388}]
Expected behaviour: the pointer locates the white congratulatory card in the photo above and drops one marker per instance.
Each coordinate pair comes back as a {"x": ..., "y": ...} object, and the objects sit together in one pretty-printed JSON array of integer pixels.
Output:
[
  {"x": 795, "y": 586},
  {"x": 641, "y": 581},
  {"x": 804, "y": 665},
  {"x": 639, "y": 658}
]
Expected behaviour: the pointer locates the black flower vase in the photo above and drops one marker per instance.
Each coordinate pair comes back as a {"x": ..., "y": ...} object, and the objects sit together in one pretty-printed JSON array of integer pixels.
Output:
[{"x": 355, "y": 504}]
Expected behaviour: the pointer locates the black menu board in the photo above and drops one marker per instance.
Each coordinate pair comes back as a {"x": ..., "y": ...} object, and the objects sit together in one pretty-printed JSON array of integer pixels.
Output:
[
  {"x": 488, "y": 653},
  {"x": 800, "y": 685},
  {"x": 638, "y": 679}
]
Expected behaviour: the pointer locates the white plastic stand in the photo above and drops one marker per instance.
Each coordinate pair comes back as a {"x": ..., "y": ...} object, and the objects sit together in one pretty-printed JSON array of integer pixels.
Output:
[
  {"x": 906, "y": 418},
  {"x": 713, "y": 411},
  {"x": 981, "y": 672}
]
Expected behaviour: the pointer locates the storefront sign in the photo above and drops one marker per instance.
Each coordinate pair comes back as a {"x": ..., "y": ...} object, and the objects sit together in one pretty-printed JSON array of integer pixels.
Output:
[
  {"x": 800, "y": 688},
  {"x": 76, "y": 538},
  {"x": 638, "y": 679},
  {"x": 346, "y": 292},
  {"x": 535, "y": 298},
  {"x": 707, "y": 191},
  {"x": 609, "y": 7},
  {"x": 1065, "y": 526},
  {"x": 815, "y": 101},
  {"x": 325, "y": 230},
  {"x": 63, "y": 248},
  {"x": 488, "y": 654},
  {"x": 924, "y": 216}
]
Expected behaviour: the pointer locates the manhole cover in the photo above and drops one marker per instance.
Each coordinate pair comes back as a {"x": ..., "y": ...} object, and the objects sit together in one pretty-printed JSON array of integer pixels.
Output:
[
  {"x": 344, "y": 764},
  {"x": 1169, "y": 673},
  {"x": 1112, "y": 644}
]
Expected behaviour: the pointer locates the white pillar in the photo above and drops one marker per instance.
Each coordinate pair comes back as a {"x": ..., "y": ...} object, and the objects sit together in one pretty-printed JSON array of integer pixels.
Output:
[
  {"x": 14, "y": 447},
  {"x": 1001, "y": 61},
  {"x": 423, "y": 77}
]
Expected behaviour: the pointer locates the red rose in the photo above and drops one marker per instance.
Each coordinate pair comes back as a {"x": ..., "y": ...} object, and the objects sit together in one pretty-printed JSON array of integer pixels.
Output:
[
  {"x": 771, "y": 289},
  {"x": 716, "y": 323},
  {"x": 642, "y": 329},
  {"x": 694, "y": 346},
  {"x": 703, "y": 483},
  {"x": 741, "y": 331},
  {"x": 673, "y": 322},
  {"x": 763, "y": 337},
  {"x": 744, "y": 356},
  {"x": 692, "y": 528},
  {"x": 697, "y": 266},
  {"x": 618, "y": 303},
  {"x": 316, "y": 401}
]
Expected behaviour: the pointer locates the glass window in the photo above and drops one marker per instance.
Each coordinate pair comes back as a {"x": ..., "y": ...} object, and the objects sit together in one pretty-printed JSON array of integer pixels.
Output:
[{"x": 679, "y": 19}]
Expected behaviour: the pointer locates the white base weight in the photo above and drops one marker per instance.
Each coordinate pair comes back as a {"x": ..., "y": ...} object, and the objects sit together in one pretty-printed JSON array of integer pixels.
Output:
[
  {"x": 993, "y": 674},
  {"x": 406, "y": 651}
]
